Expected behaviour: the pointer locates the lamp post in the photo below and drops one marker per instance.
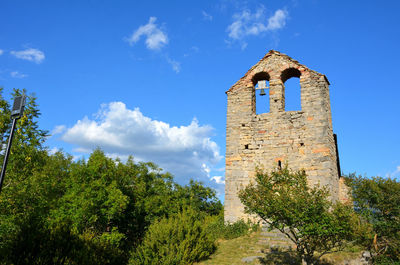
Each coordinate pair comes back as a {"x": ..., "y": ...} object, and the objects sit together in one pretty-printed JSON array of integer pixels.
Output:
[{"x": 16, "y": 113}]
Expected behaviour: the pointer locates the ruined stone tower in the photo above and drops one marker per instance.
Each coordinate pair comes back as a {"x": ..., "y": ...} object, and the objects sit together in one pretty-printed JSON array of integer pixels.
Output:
[{"x": 304, "y": 139}]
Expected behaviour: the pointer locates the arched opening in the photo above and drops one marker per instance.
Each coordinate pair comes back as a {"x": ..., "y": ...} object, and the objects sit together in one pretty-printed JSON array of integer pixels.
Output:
[
  {"x": 261, "y": 86},
  {"x": 291, "y": 79}
]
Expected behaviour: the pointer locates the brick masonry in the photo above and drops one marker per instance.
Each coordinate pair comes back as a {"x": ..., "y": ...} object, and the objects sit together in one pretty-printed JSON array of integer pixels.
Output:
[{"x": 302, "y": 139}]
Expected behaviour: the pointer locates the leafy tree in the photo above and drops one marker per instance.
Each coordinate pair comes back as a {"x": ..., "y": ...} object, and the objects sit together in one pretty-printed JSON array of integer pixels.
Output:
[
  {"x": 109, "y": 205},
  {"x": 196, "y": 195},
  {"x": 377, "y": 200},
  {"x": 54, "y": 210},
  {"x": 27, "y": 150},
  {"x": 180, "y": 239},
  {"x": 91, "y": 210},
  {"x": 285, "y": 201},
  {"x": 27, "y": 194}
]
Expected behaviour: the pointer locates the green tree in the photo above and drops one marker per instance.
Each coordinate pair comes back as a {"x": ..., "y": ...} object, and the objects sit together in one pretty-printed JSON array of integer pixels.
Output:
[
  {"x": 54, "y": 210},
  {"x": 28, "y": 193},
  {"x": 377, "y": 200},
  {"x": 27, "y": 151},
  {"x": 285, "y": 201}
]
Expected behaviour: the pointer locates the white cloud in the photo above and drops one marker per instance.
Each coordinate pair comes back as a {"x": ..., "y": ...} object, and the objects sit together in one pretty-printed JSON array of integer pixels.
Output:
[
  {"x": 218, "y": 179},
  {"x": 393, "y": 174},
  {"x": 58, "y": 129},
  {"x": 278, "y": 20},
  {"x": 33, "y": 55},
  {"x": 53, "y": 150},
  {"x": 184, "y": 151},
  {"x": 17, "y": 74},
  {"x": 206, "y": 169},
  {"x": 176, "y": 66},
  {"x": 206, "y": 16},
  {"x": 155, "y": 37},
  {"x": 247, "y": 23},
  {"x": 1, "y": 51},
  {"x": 396, "y": 172},
  {"x": 155, "y": 40}
]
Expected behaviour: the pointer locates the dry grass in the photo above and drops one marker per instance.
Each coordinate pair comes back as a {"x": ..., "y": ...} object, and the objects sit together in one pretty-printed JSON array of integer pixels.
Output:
[
  {"x": 231, "y": 252},
  {"x": 340, "y": 257}
]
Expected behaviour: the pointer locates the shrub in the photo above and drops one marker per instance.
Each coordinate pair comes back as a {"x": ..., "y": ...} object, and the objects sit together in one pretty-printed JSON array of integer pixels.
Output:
[
  {"x": 219, "y": 229},
  {"x": 178, "y": 239}
]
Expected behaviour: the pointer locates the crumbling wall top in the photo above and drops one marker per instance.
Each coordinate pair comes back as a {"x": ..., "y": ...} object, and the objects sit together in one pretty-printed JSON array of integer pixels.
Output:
[{"x": 272, "y": 65}]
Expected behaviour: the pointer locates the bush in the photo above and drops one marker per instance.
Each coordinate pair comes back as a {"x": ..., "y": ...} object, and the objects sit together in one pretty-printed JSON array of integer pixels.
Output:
[
  {"x": 219, "y": 229},
  {"x": 179, "y": 239}
]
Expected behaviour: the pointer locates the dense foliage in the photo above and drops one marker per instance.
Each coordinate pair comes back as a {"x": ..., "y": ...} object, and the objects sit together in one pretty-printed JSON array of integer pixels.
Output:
[
  {"x": 377, "y": 200},
  {"x": 285, "y": 201},
  {"x": 54, "y": 210},
  {"x": 180, "y": 239},
  {"x": 219, "y": 229}
]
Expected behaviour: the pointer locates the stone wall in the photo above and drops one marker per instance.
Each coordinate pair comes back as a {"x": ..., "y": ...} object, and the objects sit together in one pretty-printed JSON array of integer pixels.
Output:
[{"x": 302, "y": 139}]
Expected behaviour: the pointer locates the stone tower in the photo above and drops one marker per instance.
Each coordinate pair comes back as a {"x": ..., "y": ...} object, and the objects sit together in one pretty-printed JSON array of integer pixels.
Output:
[{"x": 303, "y": 139}]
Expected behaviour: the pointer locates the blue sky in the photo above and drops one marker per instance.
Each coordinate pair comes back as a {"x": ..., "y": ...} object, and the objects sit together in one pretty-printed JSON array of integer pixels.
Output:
[{"x": 148, "y": 78}]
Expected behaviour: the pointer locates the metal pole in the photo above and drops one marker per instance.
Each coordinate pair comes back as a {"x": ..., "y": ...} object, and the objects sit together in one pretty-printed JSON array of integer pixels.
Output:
[
  {"x": 3, "y": 169},
  {"x": 337, "y": 155}
]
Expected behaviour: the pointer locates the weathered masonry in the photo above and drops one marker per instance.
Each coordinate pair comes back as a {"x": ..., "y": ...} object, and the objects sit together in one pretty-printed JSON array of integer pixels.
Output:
[{"x": 303, "y": 139}]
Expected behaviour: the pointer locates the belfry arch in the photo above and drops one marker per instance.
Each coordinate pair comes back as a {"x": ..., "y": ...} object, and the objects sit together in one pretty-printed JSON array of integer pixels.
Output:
[
  {"x": 290, "y": 78},
  {"x": 261, "y": 102}
]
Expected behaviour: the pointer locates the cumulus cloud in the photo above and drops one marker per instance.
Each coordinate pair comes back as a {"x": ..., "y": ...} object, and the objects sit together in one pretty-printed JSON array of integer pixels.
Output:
[
  {"x": 155, "y": 37},
  {"x": 58, "y": 129},
  {"x": 206, "y": 16},
  {"x": 33, "y": 55},
  {"x": 218, "y": 179},
  {"x": 186, "y": 151},
  {"x": 247, "y": 23},
  {"x": 1, "y": 51},
  {"x": 16, "y": 74}
]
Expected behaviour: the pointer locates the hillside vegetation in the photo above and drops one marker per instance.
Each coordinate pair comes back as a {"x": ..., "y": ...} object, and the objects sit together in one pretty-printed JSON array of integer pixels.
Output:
[
  {"x": 99, "y": 210},
  {"x": 54, "y": 210}
]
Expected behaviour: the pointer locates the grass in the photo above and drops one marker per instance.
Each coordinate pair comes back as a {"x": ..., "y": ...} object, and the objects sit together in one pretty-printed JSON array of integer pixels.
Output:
[
  {"x": 231, "y": 252},
  {"x": 340, "y": 257}
]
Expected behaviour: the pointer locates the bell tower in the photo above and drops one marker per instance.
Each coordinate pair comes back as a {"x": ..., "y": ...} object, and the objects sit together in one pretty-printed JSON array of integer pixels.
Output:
[{"x": 303, "y": 139}]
